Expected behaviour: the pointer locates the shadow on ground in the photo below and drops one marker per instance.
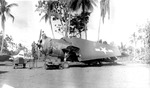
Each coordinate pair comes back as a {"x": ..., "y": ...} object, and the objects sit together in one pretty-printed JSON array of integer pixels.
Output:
[
  {"x": 104, "y": 64},
  {"x": 87, "y": 66},
  {"x": 2, "y": 72},
  {"x": 5, "y": 65}
]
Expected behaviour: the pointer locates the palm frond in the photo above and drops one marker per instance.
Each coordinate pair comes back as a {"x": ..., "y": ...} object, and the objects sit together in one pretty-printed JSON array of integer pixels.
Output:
[
  {"x": 45, "y": 17},
  {"x": 7, "y": 11},
  {"x": 11, "y": 5},
  {"x": 108, "y": 8},
  {"x": 79, "y": 3},
  {"x": 9, "y": 14},
  {"x": 94, "y": 2},
  {"x": 75, "y": 4},
  {"x": 50, "y": 5},
  {"x": 86, "y": 4},
  {"x": 40, "y": 34},
  {"x": 3, "y": 2},
  {"x": 65, "y": 1},
  {"x": 57, "y": 15},
  {"x": 104, "y": 6}
]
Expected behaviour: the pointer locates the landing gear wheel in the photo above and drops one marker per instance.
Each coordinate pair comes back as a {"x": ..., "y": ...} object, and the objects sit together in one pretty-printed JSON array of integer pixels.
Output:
[
  {"x": 45, "y": 66},
  {"x": 100, "y": 63},
  {"x": 114, "y": 63},
  {"x": 24, "y": 65},
  {"x": 64, "y": 65},
  {"x": 60, "y": 66},
  {"x": 15, "y": 66}
]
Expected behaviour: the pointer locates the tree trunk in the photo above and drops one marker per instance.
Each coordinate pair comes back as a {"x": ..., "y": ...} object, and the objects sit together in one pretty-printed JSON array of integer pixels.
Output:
[
  {"x": 2, "y": 43},
  {"x": 99, "y": 30},
  {"x": 99, "y": 26},
  {"x": 134, "y": 49},
  {"x": 51, "y": 27},
  {"x": 66, "y": 29},
  {"x": 62, "y": 27},
  {"x": 3, "y": 40},
  {"x": 86, "y": 32},
  {"x": 80, "y": 34},
  {"x": 85, "y": 26},
  {"x": 68, "y": 26}
]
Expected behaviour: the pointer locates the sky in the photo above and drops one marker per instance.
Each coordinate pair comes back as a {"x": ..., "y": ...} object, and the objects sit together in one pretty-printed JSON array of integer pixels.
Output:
[{"x": 125, "y": 17}]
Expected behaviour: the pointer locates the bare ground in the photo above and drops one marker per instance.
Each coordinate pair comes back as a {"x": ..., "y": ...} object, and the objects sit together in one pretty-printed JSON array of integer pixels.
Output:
[{"x": 78, "y": 76}]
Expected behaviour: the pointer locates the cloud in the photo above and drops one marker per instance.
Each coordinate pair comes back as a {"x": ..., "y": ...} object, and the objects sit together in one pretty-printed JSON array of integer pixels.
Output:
[
  {"x": 21, "y": 23},
  {"x": 23, "y": 13}
]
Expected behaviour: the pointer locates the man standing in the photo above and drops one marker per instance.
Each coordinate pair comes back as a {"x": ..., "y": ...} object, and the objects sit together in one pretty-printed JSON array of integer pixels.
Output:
[{"x": 34, "y": 58}]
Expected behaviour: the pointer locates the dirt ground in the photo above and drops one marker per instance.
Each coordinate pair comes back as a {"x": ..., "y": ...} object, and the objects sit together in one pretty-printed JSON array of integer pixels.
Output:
[{"x": 77, "y": 76}]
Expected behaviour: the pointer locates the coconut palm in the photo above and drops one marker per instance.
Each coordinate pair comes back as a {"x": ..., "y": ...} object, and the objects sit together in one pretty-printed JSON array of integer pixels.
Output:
[
  {"x": 70, "y": 5},
  {"x": 5, "y": 10},
  {"x": 66, "y": 15},
  {"x": 48, "y": 11},
  {"x": 56, "y": 8},
  {"x": 86, "y": 6},
  {"x": 104, "y": 8}
]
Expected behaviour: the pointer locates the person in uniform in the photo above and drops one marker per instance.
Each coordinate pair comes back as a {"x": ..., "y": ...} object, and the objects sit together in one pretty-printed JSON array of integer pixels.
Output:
[{"x": 33, "y": 61}]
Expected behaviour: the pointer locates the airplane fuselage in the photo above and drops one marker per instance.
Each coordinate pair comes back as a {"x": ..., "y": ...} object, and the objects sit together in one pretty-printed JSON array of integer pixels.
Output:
[{"x": 87, "y": 49}]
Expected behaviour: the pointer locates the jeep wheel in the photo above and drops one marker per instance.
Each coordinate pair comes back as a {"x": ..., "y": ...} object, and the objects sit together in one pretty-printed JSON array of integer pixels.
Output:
[
  {"x": 65, "y": 65},
  {"x": 45, "y": 66}
]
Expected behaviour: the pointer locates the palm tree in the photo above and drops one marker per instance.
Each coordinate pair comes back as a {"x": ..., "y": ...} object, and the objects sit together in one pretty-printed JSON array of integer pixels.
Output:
[
  {"x": 5, "y": 10},
  {"x": 134, "y": 40},
  {"x": 71, "y": 5},
  {"x": 67, "y": 15},
  {"x": 48, "y": 10},
  {"x": 86, "y": 6},
  {"x": 104, "y": 8},
  {"x": 56, "y": 8}
]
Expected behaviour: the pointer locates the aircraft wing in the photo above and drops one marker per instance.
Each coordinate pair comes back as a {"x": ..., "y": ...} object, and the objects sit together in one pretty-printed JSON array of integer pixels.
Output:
[{"x": 94, "y": 50}]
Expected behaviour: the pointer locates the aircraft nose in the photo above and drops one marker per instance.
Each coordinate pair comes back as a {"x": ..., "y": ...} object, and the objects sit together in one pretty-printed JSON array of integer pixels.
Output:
[
  {"x": 39, "y": 44},
  {"x": 47, "y": 44}
]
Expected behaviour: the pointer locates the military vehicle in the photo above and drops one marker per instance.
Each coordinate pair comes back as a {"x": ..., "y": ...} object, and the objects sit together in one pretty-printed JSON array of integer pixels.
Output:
[{"x": 19, "y": 59}]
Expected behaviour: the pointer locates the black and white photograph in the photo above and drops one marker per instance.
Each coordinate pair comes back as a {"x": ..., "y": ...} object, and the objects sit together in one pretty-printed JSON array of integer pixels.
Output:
[{"x": 74, "y": 44}]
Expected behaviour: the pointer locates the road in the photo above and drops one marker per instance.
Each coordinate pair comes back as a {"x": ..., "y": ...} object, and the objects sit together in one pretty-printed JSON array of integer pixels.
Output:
[{"x": 106, "y": 76}]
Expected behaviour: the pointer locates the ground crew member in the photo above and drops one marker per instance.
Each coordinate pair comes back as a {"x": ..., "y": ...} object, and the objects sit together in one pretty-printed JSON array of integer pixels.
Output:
[{"x": 33, "y": 61}]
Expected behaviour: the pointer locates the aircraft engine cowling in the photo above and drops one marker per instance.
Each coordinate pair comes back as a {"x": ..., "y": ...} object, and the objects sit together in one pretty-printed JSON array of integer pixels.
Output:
[
  {"x": 72, "y": 53},
  {"x": 45, "y": 46},
  {"x": 53, "y": 47}
]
